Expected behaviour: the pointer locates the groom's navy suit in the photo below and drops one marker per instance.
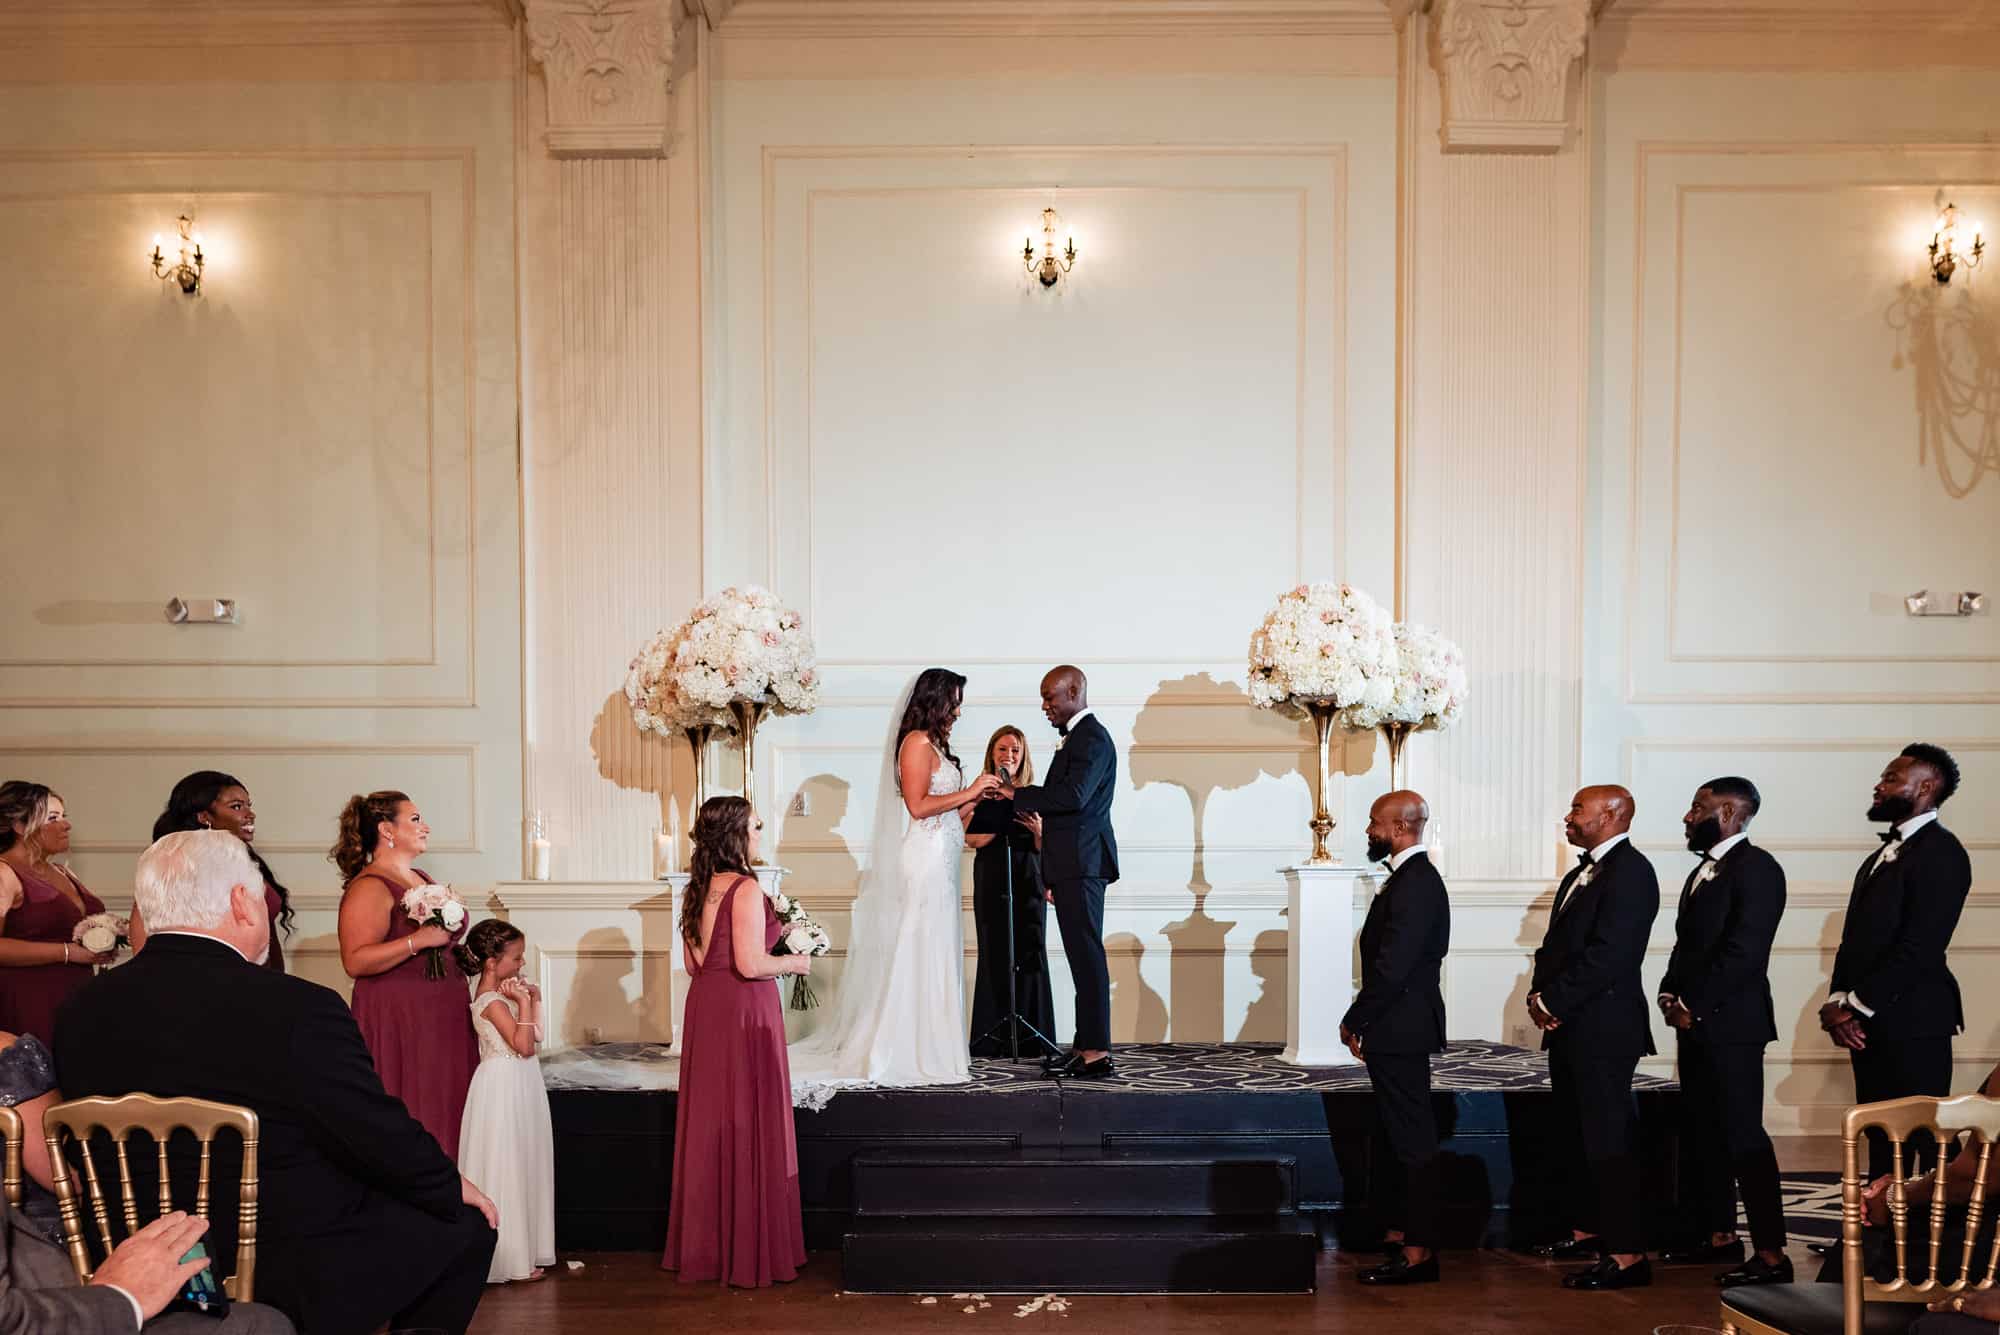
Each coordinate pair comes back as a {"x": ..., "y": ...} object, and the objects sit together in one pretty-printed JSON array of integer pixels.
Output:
[{"x": 1080, "y": 858}]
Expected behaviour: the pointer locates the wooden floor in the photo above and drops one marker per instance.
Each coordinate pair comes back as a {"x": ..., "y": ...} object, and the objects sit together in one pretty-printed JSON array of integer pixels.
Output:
[{"x": 1483, "y": 1293}]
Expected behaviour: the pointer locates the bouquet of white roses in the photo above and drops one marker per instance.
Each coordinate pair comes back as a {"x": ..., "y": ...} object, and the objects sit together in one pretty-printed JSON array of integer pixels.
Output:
[
  {"x": 1430, "y": 681},
  {"x": 652, "y": 691},
  {"x": 434, "y": 905},
  {"x": 802, "y": 936},
  {"x": 741, "y": 645},
  {"x": 102, "y": 933},
  {"x": 1328, "y": 643}
]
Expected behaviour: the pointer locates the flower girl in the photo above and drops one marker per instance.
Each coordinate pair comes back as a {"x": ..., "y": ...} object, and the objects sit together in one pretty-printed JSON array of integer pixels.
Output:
[{"x": 504, "y": 1145}]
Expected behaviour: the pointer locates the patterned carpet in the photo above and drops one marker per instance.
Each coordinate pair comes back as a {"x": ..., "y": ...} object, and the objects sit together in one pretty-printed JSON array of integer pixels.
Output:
[
  {"x": 1812, "y": 1205},
  {"x": 1143, "y": 1068}
]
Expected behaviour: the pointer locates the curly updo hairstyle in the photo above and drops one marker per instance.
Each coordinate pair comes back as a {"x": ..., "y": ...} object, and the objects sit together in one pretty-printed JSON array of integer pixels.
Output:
[
  {"x": 721, "y": 844},
  {"x": 488, "y": 940},
  {"x": 27, "y": 805},
  {"x": 361, "y": 822}
]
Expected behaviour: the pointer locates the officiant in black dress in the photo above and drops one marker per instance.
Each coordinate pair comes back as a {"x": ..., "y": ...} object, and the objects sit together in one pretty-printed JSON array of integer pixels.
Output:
[{"x": 1007, "y": 756}]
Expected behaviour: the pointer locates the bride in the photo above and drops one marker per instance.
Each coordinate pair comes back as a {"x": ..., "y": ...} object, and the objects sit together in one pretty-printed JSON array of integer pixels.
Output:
[{"x": 899, "y": 1014}]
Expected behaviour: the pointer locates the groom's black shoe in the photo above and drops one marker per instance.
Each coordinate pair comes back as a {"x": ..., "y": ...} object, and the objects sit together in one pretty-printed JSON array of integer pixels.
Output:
[
  {"x": 1058, "y": 1063},
  {"x": 1100, "y": 1069}
]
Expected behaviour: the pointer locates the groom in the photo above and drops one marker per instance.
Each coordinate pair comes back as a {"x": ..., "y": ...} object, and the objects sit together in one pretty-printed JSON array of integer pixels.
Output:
[{"x": 1079, "y": 858}]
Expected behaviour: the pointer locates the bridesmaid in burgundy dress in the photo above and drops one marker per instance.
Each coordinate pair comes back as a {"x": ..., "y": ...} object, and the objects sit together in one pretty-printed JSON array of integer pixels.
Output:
[
  {"x": 418, "y": 1029},
  {"x": 211, "y": 800},
  {"x": 735, "y": 1214},
  {"x": 40, "y": 905}
]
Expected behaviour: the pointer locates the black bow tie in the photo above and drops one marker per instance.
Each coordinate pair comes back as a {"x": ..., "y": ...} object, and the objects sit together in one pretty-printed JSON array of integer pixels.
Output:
[
  {"x": 1892, "y": 835},
  {"x": 1708, "y": 856},
  {"x": 1585, "y": 861}
]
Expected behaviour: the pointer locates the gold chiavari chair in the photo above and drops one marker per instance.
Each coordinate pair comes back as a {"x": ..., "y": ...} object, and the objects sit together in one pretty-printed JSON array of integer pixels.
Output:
[
  {"x": 1860, "y": 1304},
  {"x": 11, "y": 1181},
  {"x": 81, "y": 1119}
]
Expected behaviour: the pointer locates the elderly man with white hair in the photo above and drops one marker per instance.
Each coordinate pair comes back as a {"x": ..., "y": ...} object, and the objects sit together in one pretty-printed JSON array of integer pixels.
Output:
[{"x": 362, "y": 1220}]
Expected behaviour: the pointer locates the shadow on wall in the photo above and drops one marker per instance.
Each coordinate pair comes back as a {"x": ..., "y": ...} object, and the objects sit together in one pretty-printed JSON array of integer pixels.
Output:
[
  {"x": 1204, "y": 737},
  {"x": 1805, "y": 1083},
  {"x": 1138, "y": 1015},
  {"x": 1951, "y": 343},
  {"x": 598, "y": 996},
  {"x": 812, "y": 843},
  {"x": 1265, "y": 1021},
  {"x": 645, "y": 761}
]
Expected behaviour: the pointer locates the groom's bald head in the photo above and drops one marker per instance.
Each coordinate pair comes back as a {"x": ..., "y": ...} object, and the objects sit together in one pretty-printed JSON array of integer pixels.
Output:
[{"x": 1064, "y": 694}]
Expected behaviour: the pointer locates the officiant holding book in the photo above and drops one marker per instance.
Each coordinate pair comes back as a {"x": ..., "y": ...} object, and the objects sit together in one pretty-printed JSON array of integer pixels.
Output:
[{"x": 1008, "y": 890}]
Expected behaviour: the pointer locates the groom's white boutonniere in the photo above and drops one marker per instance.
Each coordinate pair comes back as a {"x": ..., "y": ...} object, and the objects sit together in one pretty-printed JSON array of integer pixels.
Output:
[
  {"x": 1889, "y": 852},
  {"x": 1709, "y": 870}
]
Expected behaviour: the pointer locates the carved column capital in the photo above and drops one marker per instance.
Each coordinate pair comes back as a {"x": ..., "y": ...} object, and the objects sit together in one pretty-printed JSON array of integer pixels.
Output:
[
  {"x": 610, "y": 68},
  {"x": 1504, "y": 70}
]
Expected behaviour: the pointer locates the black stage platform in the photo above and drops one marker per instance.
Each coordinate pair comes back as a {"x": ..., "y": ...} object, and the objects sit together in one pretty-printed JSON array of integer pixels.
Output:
[{"x": 614, "y": 1146}]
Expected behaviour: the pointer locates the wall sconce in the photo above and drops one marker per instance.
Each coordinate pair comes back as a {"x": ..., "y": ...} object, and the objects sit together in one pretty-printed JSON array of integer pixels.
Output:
[
  {"x": 202, "y": 611},
  {"x": 1948, "y": 250},
  {"x": 187, "y": 271},
  {"x": 1924, "y": 603},
  {"x": 1050, "y": 267}
]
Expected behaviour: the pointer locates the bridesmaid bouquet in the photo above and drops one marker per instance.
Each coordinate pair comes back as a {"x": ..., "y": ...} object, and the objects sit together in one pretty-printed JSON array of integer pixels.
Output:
[
  {"x": 102, "y": 933},
  {"x": 802, "y": 936},
  {"x": 434, "y": 905}
]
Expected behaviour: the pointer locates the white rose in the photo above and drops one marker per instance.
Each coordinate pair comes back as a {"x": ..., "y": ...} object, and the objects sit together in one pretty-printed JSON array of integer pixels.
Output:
[
  {"x": 452, "y": 914},
  {"x": 799, "y": 940},
  {"x": 99, "y": 939}
]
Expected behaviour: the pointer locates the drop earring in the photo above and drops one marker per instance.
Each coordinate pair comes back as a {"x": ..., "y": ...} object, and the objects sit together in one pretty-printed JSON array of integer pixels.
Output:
[{"x": 389, "y": 843}]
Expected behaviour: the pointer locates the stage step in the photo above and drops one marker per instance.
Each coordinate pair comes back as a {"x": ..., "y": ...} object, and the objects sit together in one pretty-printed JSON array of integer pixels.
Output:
[
  {"x": 1096, "y": 1184},
  {"x": 1035, "y": 1255}
]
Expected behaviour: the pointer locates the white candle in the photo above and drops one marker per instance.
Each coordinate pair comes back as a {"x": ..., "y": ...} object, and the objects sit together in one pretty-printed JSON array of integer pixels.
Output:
[
  {"x": 663, "y": 855},
  {"x": 538, "y": 860}
]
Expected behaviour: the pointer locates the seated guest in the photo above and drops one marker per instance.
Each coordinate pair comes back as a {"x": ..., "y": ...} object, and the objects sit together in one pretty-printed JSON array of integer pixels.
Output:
[
  {"x": 28, "y": 1086},
  {"x": 39, "y": 1293},
  {"x": 362, "y": 1219},
  {"x": 41, "y": 902},
  {"x": 211, "y": 800}
]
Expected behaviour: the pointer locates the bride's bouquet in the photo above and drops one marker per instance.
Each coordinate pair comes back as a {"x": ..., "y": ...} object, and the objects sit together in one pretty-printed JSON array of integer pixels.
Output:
[
  {"x": 802, "y": 936},
  {"x": 103, "y": 933},
  {"x": 741, "y": 645},
  {"x": 434, "y": 905},
  {"x": 1325, "y": 644}
]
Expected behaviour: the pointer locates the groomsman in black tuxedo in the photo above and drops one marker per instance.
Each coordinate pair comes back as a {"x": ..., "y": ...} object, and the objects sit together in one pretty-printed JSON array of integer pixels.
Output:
[
  {"x": 1589, "y": 1001},
  {"x": 1717, "y": 997},
  {"x": 1397, "y": 1022},
  {"x": 1894, "y": 1004},
  {"x": 1079, "y": 858}
]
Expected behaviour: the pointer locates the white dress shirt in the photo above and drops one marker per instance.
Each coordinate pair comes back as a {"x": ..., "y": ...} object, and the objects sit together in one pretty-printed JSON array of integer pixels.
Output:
[
  {"x": 1904, "y": 830},
  {"x": 1396, "y": 862}
]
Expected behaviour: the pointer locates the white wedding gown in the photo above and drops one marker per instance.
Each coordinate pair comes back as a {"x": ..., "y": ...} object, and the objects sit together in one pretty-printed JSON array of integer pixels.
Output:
[{"x": 898, "y": 1015}]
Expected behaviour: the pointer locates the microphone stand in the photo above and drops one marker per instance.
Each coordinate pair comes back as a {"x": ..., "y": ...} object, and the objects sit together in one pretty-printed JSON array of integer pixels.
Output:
[{"x": 1013, "y": 1021}]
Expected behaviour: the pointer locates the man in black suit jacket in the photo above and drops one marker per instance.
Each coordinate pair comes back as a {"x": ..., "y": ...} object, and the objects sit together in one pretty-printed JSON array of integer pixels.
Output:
[
  {"x": 1079, "y": 858},
  {"x": 1397, "y": 1022},
  {"x": 1894, "y": 1004},
  {"x": 1587, "y": 998},
  {"x": 361, "y": 1218},
  {"x": 1717, "y": 996}
]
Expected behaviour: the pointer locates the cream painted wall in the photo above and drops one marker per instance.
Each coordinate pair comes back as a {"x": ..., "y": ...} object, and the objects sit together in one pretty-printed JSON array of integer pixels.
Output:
[
  {"x": 940, "y": 462},
  {"x": 1770, "y": 361},
  {"x": 327, "y": 435}
]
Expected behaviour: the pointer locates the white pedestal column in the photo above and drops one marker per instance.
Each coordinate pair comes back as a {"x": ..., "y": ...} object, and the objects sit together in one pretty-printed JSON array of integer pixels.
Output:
[
  {"x": 677, "y": 978},
  {"x": 1319, "y": 931}
]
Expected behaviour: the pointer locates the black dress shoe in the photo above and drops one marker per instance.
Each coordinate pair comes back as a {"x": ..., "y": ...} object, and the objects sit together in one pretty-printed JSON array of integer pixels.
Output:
[
  {"x": 1399, "y": 1271},
  {"x": 1608, "y": 1274},
  {"x": 1728, "y": 1253},
  {"x": 1757, "y": 1270},
  {"x": 1057, "y": 1063},
  {"x": 1100, "y": 1069},
  {"x": 1569, "y": 1249}
]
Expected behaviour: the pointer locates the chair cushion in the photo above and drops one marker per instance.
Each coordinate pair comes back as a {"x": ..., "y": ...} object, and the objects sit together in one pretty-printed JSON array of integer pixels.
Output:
[{"x": 1814, "y": 1309}]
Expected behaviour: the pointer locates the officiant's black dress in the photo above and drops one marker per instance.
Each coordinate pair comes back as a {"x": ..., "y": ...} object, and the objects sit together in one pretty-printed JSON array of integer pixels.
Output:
[{"x": 1031, "y": 954}]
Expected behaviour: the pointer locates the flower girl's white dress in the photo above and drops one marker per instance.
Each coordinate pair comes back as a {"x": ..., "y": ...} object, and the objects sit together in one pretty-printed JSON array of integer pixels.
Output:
[{"x": 506, "y": 1150}]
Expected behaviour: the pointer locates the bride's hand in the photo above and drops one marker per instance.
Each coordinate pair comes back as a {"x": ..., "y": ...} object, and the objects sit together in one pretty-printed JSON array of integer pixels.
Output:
[{"x": 981, "y": 786}]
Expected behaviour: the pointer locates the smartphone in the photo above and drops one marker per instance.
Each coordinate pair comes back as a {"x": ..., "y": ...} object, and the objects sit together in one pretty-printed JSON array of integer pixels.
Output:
[{"x": 203, "y": 1292}]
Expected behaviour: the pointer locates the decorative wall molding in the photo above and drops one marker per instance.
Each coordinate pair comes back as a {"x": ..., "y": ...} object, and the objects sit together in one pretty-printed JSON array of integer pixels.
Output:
[
  {"x": 212, "y": 23},
  {"x": 1069, "y": 18},
  {"x": 610, "y": 71},
  {"x": 1504, "y": 69}
]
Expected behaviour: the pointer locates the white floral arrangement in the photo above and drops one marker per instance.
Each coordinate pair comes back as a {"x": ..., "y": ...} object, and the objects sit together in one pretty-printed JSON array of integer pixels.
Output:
[
  {"x": 102, "y": 933},
  {"x": 434, "y": 905},
  {"x": 743, "y": 645},
  {"x": 654, "y": 695},
  {"x": 1430, "y": 682},
  {"x": 1325, "y": 642},
  {"x": 801, "y": 936}
]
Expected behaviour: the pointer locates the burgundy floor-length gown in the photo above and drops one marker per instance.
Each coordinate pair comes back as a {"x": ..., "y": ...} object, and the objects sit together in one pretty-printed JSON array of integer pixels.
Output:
[
  {"x": 735, "y": 1214},
  {"x": 30, "y": 995},
  {"x": 419, "y": 1030}
]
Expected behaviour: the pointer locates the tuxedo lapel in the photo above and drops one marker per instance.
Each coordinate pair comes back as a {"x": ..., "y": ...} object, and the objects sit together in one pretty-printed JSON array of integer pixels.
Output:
[{"x": 1563, "y": 893}]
